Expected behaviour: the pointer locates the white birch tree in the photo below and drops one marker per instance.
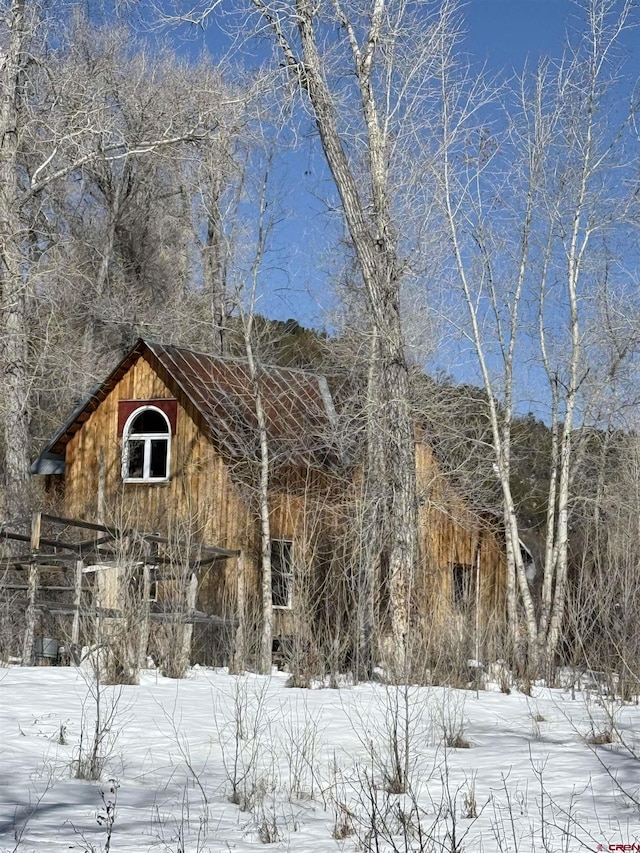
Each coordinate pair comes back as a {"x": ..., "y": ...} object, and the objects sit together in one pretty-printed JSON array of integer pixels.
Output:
[
  {"x": 16, "y": 30},
  {"x": 365, "y": 72},
  {"x": 532, "y": 216},
  {"x": 247, "y": 307}
]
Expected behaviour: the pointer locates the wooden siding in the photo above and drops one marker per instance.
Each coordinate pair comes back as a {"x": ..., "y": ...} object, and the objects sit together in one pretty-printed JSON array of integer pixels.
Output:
[
  {"x": 215, "y": 504},
  {"x": 451, "y": 534},
  {"x": 200, "y": 500},
  {"x": 202, "y": 497},
  {"x": 199, "y": 491}
]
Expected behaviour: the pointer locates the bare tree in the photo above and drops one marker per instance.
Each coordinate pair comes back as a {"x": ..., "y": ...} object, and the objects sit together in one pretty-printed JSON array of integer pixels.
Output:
[
  {"x": 246, "y": 305},
  {"x": 363, "y": 72},
  {"x": 603, "y": 593},
  {"x": 530, "y": 216},
  {"x": 219, "y": 188},
  {"x": 54, "y": 125},
  {"x": 15, "y": 40}
]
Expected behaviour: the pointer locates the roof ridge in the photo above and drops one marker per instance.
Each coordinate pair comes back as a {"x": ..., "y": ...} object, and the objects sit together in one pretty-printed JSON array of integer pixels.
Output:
[{"x": 237, "y": 358}]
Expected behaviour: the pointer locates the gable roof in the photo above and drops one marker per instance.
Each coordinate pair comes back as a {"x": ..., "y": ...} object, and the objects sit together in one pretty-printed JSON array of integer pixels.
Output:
[{"x": 298, "y": 406}]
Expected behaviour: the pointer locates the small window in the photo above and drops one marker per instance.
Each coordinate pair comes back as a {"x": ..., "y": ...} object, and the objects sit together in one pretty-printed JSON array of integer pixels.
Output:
[
  {"x": 281, "y": 573},
  {"x": 146, "y": 445},
  {"x": 463, "y": 586}
]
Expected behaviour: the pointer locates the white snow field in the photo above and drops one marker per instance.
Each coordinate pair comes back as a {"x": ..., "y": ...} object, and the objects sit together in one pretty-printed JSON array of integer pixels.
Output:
[{"x": 237, "y": 763}]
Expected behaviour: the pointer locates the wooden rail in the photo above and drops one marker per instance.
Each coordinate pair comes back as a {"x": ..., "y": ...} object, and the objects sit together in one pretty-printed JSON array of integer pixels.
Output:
[{"x": 64, "y": 556}]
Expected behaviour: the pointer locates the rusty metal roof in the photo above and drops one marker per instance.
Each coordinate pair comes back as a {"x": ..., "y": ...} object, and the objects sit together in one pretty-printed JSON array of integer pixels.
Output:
[{"x": 298, "y": 407}]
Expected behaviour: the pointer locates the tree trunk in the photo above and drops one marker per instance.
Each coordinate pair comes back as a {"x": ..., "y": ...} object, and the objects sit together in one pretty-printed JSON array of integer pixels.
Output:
[
  {"x": 266, "y": 634},
  {"x": 13, "y": 284},
  {"x": 266, "y": 637},
  {"x": 144, "y": 618},
  {"x": 214, "y": 267},
  {"x": 186, "y": 633},
  {"x": 371, "y": 533},
  {"x": 92, "y": 322},
  {"x": 238, "y": 661},
  {"x": 375, "y": 245}
]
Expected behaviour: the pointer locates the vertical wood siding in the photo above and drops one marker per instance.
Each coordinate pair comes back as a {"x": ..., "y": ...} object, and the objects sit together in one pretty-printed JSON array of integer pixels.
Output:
[
  {"x": 200, "y": 498},
  {"x": 204, "y": 497},
  {"x": 449, "y": 534}
]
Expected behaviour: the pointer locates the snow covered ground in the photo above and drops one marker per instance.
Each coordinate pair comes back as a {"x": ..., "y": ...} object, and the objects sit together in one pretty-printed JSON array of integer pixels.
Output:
[{"x": 224, "y": 763}]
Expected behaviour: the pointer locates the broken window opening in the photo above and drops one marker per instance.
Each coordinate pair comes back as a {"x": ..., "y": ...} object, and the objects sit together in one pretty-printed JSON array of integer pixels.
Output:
[
  {"x": 136, "y": 584},
  {"x": 282, "y": 573},
  {"x": 463, "y": 586}
]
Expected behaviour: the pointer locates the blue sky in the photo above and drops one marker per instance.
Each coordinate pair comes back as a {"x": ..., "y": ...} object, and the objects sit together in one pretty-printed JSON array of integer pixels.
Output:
[
  {"x": 500, "y": 34},
  {"x": 506, "y": 32}
]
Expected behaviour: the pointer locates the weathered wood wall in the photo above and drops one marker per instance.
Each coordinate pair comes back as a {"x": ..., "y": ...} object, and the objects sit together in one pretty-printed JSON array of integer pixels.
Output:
[
  {"x": 209, "y": 501},
  {"x": 199, "y": 501},
  {"x": 204, "y": 498},
  {"x": 450, "y": 534}
]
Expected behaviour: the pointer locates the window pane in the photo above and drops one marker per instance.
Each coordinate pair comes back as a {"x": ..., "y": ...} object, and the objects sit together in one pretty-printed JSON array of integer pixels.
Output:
[
  {"x": 281, "y": 572},
  {"x": 158, "y": 461},
  {"x": 135, "y": 458},
  {"x": 281, "y": 589},
  {"x": 463, "y": 585},
  {"x": 281, "y": 555},
  {"x": 149, "y": 421}
]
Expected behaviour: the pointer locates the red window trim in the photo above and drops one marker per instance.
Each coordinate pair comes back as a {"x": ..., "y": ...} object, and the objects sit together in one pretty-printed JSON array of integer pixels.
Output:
[{"x": 127, "y": 407}]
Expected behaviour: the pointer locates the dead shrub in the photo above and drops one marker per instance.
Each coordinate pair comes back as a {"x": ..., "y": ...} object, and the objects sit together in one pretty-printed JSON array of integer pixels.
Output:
[
  {"x": 458, "y": 741},
  {"x": 600, "y": 738},
  {"x": 343, "y": 826}
]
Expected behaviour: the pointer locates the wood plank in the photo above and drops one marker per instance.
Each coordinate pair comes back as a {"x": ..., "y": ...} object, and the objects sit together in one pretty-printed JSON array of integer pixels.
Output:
[
  {"x": 194, "y": 619},
  {"x": 214, "y": 550},
  {"x": 44, "y": 561},
  {"x": 78, "y": 588},
  {"x": 30, "y": 617},
  {"x": 78, "y": 522},
  {"x": 113, "y": 532},
  {"x": 36, "y": 523},
  {"x": 50, "y": 543},
  {"x": 89, "y": 545}
]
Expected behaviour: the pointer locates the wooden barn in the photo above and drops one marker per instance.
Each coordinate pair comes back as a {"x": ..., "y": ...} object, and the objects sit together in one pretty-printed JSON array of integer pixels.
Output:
[{"x": 158, "y": 470}]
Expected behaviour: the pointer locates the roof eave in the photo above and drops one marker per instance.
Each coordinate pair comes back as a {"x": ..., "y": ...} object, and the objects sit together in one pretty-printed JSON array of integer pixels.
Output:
[
  {"x": 55, "y": 448},
  {"x": 47, "y": 464}
]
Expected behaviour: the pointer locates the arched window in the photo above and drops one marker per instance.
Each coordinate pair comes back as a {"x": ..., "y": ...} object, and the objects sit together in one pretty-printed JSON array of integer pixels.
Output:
[{"x": 146, "y": 446}]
